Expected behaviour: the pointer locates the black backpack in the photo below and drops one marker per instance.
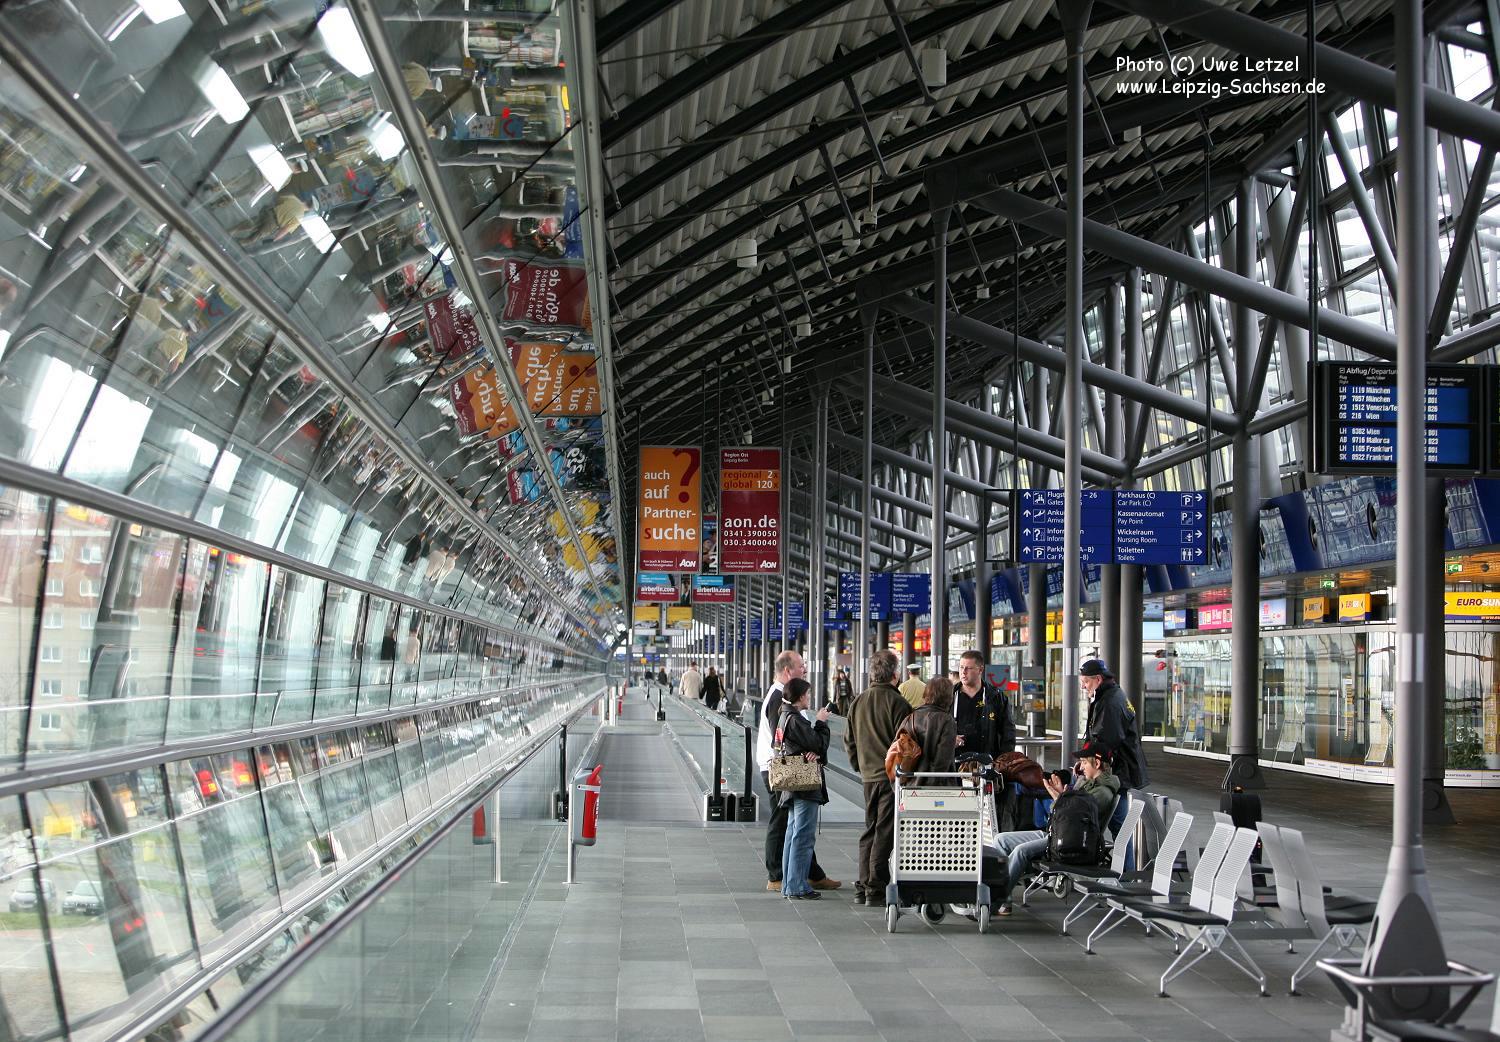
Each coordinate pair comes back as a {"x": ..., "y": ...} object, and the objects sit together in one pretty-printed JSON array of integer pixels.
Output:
[{"x": 1074, "y": 835}]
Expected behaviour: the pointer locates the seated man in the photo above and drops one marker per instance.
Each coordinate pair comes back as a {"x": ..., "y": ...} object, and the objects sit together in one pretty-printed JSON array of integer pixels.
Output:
[{"x": 1022, "y": 848}]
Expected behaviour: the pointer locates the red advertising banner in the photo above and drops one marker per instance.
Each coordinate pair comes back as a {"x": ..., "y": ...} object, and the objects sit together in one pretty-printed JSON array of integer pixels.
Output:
[
  {"x": 547, "y": 295},
  {"x": 749, "y": 510},
  {"x": 479, "y": 403},
  {"x": 453, "y": 333},
  {"x": 656, "y": 588},
  {"x": 669, "y": 511}
]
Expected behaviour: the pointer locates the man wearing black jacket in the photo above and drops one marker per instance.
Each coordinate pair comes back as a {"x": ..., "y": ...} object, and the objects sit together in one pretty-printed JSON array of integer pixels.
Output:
[
  {"x": 982, "y": 712},
  {"x": 1112, "y": 723}
]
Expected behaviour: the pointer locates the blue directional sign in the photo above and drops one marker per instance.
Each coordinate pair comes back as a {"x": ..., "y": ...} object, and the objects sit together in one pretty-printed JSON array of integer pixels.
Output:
[
  {"x": 796, "y": 617},
  {"x": 756, "y": 629},
  {"x": 1040, "y": 534},
  {"x": 832, "y": 621},
  {"x": 911, "y": 593},
  {"x": 1161, "y": 527},
  {"x": 880, "y": 595}
]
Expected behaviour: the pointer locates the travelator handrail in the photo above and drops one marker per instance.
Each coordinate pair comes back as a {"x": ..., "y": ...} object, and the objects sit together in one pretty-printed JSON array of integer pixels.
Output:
[
  {"x": 754, "y": 705},
  {"x": 718, "y": 721},
  {"x": 263, "y": 989}
]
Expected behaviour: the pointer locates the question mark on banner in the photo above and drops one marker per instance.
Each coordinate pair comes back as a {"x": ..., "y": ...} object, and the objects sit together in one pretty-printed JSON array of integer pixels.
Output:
[{"x": 693, "y": 461}]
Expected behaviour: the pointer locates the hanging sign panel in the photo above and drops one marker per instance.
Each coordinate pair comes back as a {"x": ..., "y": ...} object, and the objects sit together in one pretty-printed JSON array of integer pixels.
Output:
[
  {"x": 1160, "y": 527},
  {"x": 911, "y": 594},
  {"x": 646, "y": 618},
  {"x": 655, "y": 587},
  {"x": 669, "y": 510},
  {"x": 750, "y": 510},
  {"x": 880, "y": 595},
  {"x": 1354, "y": 418},
  {"x": 679, "y": 620},
  {"x": 1040, "y": 534},
  {"x": 713, "y": 589}
]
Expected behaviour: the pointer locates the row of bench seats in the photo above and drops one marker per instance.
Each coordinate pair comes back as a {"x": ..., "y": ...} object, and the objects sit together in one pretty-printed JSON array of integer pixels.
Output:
[{"x": 1211, "y": 903}]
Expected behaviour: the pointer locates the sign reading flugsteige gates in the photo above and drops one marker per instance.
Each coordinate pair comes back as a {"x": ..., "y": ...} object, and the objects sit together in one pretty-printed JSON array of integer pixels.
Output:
[
  {"x": 750, "y": 510},
  {"x": 669, "y": 511}
]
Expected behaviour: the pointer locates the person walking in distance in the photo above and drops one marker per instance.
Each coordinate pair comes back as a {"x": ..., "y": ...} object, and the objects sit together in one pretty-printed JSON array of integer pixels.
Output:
[
  {"x": 691, "y": 684},
  {"x": 1112, "y": 723},
  {"x": 873, "y": 720},
  {"x": 712, "y": 688},
  {"x": 789, "y": 666}
]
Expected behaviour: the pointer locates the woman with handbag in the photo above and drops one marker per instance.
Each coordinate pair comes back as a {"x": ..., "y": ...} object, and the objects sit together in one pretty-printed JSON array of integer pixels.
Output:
[
  {"x": 933, "y": 727},
  {"x": 798, "y": 737}
]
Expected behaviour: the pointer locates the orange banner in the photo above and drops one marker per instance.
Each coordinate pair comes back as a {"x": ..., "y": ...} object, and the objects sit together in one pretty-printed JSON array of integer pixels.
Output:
[
  {"x": 669, "y": 510},
  {"x": 556, "y": 382},
  {"x": 479, "y": 403}
]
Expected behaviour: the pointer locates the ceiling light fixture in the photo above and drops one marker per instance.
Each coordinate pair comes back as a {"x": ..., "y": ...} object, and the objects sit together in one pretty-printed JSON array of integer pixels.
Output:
[
  {"x": 271, "y": 163},
  {"x": 342, "y": 41},
  {"x": 318, "y": 231},
  {"x": 160, "y": 10},
  {"x": 216, "y": 86}
]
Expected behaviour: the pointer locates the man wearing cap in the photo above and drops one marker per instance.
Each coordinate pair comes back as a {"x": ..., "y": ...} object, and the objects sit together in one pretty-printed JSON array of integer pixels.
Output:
[
  {"x": 1112, "y": 723},
  {"x": 1095, "y": 780},
  {"x": 912, "y": 687}
]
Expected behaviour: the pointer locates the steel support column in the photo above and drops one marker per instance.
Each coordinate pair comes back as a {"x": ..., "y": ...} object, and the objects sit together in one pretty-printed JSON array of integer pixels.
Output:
[
  {"x": 982, "y": 611},
  {"x": 817, "y": 668},
  {"x": 862, "y": 643},
  {"x": 1075, "y": 17},
  {"x": 1129, "y": 669},
  {"x": 1404, "y": 938},
  {"x": 1244, "y": 643},
  {"x": 942, "y": 211},
  {"x": 1112, "y": 441},
  {"x": 1436, "y": 809}
]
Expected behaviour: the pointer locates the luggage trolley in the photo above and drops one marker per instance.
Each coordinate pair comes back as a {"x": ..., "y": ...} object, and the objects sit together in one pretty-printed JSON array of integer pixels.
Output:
[{"x": 939, "y": 858}]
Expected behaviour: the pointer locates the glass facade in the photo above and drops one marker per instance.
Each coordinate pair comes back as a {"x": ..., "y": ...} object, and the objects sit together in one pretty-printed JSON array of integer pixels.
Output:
[{"x": 307, "y": 521}]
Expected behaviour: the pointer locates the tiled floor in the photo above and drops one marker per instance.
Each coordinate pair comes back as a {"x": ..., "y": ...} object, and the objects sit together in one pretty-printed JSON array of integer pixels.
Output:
[{"x": 670, "y": 934}]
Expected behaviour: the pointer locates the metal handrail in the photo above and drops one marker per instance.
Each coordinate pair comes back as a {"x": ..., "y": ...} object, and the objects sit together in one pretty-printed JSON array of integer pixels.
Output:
[{"x": 252, "y": 997}]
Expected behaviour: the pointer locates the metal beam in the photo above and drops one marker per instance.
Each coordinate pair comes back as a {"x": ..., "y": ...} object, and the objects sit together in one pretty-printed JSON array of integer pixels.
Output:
[
  {"x": 1131, "y": 249},
  {"x": 1385, "y": 260},
  {"x": 894, "y": 498},
  {"x": 1051, "y": 358},
  {"x": 921, "y": 468}
]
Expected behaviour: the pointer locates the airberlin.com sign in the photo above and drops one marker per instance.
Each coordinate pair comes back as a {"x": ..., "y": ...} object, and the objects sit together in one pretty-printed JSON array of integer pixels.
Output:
[
  {"x": 670, "y": 509},
  {"x": 750, "y": 510}
]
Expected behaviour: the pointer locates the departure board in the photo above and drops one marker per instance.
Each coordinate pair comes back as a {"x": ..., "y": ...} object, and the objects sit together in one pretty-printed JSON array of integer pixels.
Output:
[
  {"x": 1161, "y": 527},
  {"x": 1039, "y": 535},
  {"x": 1354, "y": 418}
]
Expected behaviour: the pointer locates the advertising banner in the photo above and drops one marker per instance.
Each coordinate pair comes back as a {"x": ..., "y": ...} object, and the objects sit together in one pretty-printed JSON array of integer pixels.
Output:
[
  {"x": 556, "y": 382},
  {"x": 655, "y": 587},
  {"x": 713, "y": 589},
  {"x": 750, "y": 510},
  {"x": 479, "y": 403},
  {"x": 646, "y": 618},
  {"x": 679, "y": 620},
  {"x": 547, "y": 295},
  {"x": 1472, "y": 606},
  {"x": 669, "y": 509},
  {"x": 1273, "y": 612},
  {"x": 1215, "y": 617}
]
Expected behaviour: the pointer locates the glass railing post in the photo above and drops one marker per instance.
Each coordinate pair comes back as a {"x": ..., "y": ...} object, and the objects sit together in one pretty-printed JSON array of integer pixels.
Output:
[{"x": 560, "y": 794}]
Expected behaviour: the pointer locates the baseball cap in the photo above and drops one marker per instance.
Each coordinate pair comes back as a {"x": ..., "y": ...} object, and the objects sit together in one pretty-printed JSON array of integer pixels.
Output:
[
  {"x": 1092, "y": 748},
  {"x": 1094, "y": 667}
]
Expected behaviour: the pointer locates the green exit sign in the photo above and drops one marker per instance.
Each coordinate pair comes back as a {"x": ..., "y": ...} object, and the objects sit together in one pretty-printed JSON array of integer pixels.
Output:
[
  {"x": 1454, "y": 567},
  {"x": 1328, "y": 584}
]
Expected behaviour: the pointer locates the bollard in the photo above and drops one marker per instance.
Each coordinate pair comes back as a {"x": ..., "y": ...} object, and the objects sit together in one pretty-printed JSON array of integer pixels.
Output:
[
  {"x": 713, "y": 802},
  {"x": 744, "y": 807}
]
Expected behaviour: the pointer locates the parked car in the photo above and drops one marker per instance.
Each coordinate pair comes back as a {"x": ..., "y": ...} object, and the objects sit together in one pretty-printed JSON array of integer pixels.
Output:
[
  {"x": 85, "y": 899},
  {"x": 23, "y": 897}
]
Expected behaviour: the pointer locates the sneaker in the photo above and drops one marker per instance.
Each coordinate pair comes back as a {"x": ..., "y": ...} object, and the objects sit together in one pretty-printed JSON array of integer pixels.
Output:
[
  {"x": 774, "y": 886},
  {"x": 859, "y": 897},
  {"x": 1004, "y": 909},
  {"x": 826, "y": 884},
  {"x": 811, "y": 895}
]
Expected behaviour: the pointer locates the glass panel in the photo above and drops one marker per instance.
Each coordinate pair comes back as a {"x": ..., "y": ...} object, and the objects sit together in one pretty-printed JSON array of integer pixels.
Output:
[
  {"x": 378, "y": 654},
  {"x": 299, "y": 845},
  {"x": 119, "y": 586},
  {"x": 213, "y": 679},
  {"x": 22, "y": 565},
  {"x": 227, "y": 854},
  {"x": 114, "y": 864},
  {"x": 288, "y": 655},
  {"x": 26, "y": 985},
  {"x": 338, "y": 662}
]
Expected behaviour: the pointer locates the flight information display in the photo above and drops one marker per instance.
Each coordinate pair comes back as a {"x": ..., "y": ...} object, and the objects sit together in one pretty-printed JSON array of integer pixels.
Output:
[
  {"x": 1161, "y": 527},
  {"x": 1039, "y": 536},
  {"x": 1354, "y": 418}
]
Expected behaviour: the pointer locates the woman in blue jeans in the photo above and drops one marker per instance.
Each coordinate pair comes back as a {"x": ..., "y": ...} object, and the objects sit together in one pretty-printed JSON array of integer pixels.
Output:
[{"x": 810, "y": 740}]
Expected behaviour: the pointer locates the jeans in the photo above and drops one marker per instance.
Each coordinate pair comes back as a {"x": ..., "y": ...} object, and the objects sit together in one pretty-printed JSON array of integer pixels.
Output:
[
  {"x": 801, "y": 828},
  {"x": 878, "y": 838},
  {"x": 776, "y": 836},
  {"x": 1020, "y": 849}
]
